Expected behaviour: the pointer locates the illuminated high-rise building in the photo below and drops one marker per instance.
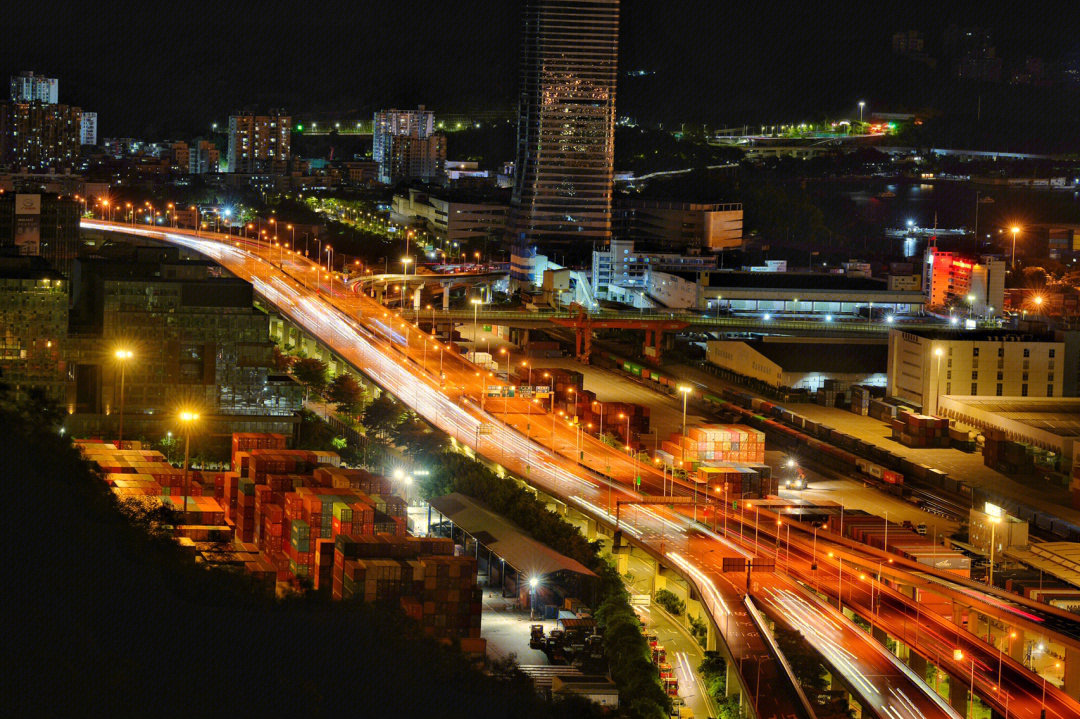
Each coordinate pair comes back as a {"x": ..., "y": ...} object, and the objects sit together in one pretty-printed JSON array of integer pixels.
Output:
[
  {"x": 566, "y": 128},
  {"x": 259, "y": 143}
]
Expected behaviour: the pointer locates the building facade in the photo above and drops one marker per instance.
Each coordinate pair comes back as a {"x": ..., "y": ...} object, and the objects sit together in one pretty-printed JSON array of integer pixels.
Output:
[
  {"x": 453, "y": 217},
  {"x": 667, "y": 226},
  {"x": 196, "y": 337},
  {"x": 802, "y": 363},
  {"x": 566, "y": 127},
  {"x": 946, "y": 278},
  {"x": 28, "y": 87},
  {"x": 405, "y": 146},
  {"x": 33, "y": 326},
  {"x": 41, "y": 225},
  {"x": 38, "y": 135},
  {"x": 88, "y": 129},
  {"x": 203, "y": 157},
  {"x": 622, "y": 264},
  {"x": 925, "y": 365},
  {"x": 259, "y": 143}
]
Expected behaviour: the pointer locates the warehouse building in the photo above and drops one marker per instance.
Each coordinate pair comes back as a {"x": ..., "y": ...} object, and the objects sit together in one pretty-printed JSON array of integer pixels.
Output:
[
  {"x": 776, "y": 293},
  {"x": 925, "y": 364},
  {"x": 803, "y": 363},
  {"x": 1050, "y": 423}
]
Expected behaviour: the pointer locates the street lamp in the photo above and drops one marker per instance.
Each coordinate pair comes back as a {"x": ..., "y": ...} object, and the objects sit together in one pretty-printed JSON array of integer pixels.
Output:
[
  {"x": 188, "y": 418},
  {"x": 122, "y": 356},
  {"x": 862, "y": 104},
  {"x": 533, "y": 583},
  {"x": 404, "y": 280},
  {"x": 476, "y": 302},
  {"x": 994, "y": 521},
  {"x": 1015, "y": 231},
  {"x": 685, "y": 389}
]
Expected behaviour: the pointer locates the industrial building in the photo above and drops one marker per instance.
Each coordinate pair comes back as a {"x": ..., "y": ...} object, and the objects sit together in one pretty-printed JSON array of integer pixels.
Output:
[
  {"x": 926, "y": 364},
  {"x": 621, "y": 268},
  {"x": 1050, "y": 423},
  {"x": 803, "y": 363},
  {"x": 670, "y": 226},
  {"x": 452, "y": 216},
  {"x": 774, "y": 293},
  {"x": 33, "y": 326},
  {"x": 195, "y": 336}
]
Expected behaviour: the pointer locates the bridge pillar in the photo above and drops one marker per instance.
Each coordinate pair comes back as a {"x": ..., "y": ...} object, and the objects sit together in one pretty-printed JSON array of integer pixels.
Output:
[
  {"x": 917, "y": 664},
  {"x": 879, "y": 634},
  {"x": 732, "y": 680},
  {"x": 446, "y": 296},
  {"x": 1072, "y": 672},
  {"x": 958, "y": 695}
]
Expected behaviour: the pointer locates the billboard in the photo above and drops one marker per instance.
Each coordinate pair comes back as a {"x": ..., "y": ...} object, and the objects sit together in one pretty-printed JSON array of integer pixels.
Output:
[{"x": 28, "y": 224}]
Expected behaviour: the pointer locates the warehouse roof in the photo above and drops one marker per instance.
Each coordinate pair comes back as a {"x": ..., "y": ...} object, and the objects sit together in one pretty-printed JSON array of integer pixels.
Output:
[
  {"x": 988, "y": 334},
  {"x": 504, "y": 538},
  {"x": 825, "y": 357},
  {"x": 788, "y": 281},
  {"x": 1059, "y": 416}
]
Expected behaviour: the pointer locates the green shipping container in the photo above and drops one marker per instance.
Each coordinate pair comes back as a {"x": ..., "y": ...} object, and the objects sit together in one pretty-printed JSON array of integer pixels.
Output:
[
  {"x": 486, "y": 328},
  {"x": 626, "y": 367}
]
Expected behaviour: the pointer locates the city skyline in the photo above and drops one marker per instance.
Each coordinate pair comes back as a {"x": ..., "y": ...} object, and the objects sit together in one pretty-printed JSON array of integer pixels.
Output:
[{"x": 712, "y": 64}]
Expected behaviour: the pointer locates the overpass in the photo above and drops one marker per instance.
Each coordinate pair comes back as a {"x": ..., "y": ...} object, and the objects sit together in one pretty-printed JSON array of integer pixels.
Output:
[{"x": 556, "y": 459}]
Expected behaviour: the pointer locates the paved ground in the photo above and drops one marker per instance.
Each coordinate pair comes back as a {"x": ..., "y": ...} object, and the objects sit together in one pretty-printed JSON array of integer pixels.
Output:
[
  {"x": 855, "y": 495},
  {"x": 506, "y": 629},
  {"x": 964, "y": 466}
]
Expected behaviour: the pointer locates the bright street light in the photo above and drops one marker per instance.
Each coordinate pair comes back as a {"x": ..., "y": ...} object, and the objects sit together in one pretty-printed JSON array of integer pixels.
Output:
[{"x": 122, "y": 356}]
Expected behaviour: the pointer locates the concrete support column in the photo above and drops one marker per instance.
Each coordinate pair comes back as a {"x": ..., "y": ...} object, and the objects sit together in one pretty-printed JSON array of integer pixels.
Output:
[
  {"x": 879, "y": 634},
  {"x": 958, "y": 695},
  {"x": 732, "y": 676},
  {"x": 1016, "y": 648},
  {"x": 446, "y": 297},
  {"x": 1072, "y": 672},
  {"x": 917, "y": 664},
  {"x": 590, "y": 529}
]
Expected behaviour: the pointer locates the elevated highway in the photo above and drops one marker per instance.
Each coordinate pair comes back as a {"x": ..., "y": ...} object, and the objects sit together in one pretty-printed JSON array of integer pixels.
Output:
[{"x": 555, "y": 457}]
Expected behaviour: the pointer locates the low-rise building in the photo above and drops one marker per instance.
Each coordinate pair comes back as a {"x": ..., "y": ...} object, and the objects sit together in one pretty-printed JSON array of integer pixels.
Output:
[
  {"x": 622, "y": 264},
  {"x": 675, "y": 227},
  {"x": 926, "y": 364},
  {"x": 771, "y": 293},
  {"x": 451, "y": 216},
  {"x": 803, "y": 364}
]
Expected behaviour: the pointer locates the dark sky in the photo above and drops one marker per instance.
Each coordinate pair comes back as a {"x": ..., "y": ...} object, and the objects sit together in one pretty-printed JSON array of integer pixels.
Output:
[{"x": 153, "y": 69}]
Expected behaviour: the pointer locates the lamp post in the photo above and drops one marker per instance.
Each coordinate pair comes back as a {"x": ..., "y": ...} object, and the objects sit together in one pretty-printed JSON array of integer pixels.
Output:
[
  {"x": 862, "y": 104},
  {"x": 685, "y": 389},
  {"x": 1015, "y": 231},
  {"x": 476, "y": 302},
  {"x": 122, "y": 356},
  {"x": 506, "y": 397},
  {"x": 404, "y": 280},
  {"x": 993, "y": 526},
  {"x": 188, "y": 418},
  {"x": 533, "y": 582}
]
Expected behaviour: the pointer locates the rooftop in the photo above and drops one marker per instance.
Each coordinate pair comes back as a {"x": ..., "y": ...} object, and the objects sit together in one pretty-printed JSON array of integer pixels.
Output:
[
  {"x": 977, "y": 335},
  {"x": 823, "y": 357},
  {"x": 787, "y": 281},
  {"x": 505, "y": 539},
  {"x": 1058, "y": 416}
]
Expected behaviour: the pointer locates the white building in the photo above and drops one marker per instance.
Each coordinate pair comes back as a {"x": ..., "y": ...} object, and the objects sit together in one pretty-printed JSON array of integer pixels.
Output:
[
  {"x": 88, "y": 128},
  {"x": 988, "y": 287},
  {"x": 925, "y": 365},
  {"x": 803, "y": 363},
  {"x": 621, "y": 265},
  {"x": 452, "y": 216},
  {"x": 27, "y": 87}
]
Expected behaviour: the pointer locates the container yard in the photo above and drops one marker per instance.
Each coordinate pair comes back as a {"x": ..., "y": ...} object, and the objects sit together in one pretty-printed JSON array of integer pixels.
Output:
[
  {"x": 717, "y": 443},
  {"x": 295, "y": 517}
]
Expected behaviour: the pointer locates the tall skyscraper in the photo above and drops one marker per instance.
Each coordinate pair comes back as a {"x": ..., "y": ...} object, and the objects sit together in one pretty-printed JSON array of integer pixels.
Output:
[
  {"x": 27, "y": 87},
  {"x": 566, "y": 128},
  {"x": 259, "y": 143}
]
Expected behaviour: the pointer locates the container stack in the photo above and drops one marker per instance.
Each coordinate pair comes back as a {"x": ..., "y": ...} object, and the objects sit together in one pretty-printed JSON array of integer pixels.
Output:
[
  {"x": 1006, "y": 456},
  {"x": 900, "y": 540},
  {"x": 882, "y": 410},
  {"x": 247, "y": 441},
  {"x": 860, "y": 400},
  {"x": 919, "y": 430},
  {"x": 734, "y": 481},
  {"x": 718, "y": 443},
  {"x": 961, "y": 439}
]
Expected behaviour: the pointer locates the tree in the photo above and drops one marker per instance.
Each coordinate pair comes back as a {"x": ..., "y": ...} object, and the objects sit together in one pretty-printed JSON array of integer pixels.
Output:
[
  {"x": 383, "y": 415},
  {"x": 419, "y": 439},
  {"x": 281, "y": 361},
  {"x": 347, "y": 394},
  {"x": 311, "y": 373}
]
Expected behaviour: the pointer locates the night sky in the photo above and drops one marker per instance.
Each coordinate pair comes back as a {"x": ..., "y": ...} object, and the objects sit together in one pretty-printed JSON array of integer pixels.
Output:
[{"x": 155, "y": 70}]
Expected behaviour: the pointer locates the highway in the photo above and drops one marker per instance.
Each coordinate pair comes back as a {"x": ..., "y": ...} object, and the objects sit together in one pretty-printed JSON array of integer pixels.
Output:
[{"x": 553, "y": 455}]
